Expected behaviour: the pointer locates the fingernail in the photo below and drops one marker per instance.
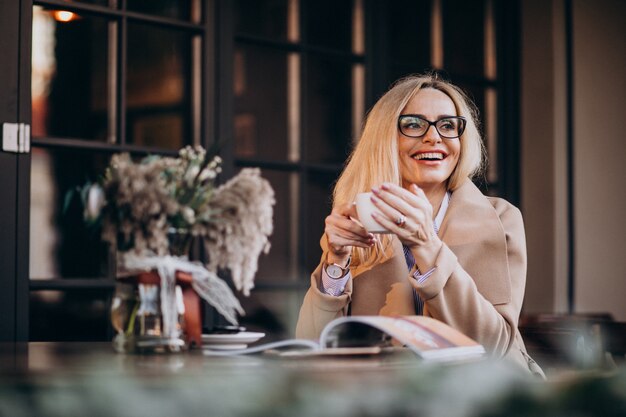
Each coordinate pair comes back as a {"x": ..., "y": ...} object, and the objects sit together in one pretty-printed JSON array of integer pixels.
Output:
[
  {"x": 385, "y": 186},
  {"x": 375, "y": 190}
]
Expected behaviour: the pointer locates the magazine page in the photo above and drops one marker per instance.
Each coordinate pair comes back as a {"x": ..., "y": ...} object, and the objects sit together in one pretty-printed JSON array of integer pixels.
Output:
[{"x": 429, "y": 338}]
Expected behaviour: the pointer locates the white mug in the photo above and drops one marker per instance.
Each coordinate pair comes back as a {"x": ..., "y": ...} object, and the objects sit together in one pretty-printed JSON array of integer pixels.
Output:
[{"x": 364, "y": 209}]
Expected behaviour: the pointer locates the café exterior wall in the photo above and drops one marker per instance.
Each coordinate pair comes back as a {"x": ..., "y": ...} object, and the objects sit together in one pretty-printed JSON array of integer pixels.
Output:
[
  {"x": 597, "y": 101},
  {"x": 599, "y": 149},
  {"x": 543, "y": 150}
]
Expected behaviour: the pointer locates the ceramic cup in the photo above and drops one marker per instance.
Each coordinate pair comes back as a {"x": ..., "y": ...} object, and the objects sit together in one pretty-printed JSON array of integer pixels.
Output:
[{"x": 364, "y": 209}]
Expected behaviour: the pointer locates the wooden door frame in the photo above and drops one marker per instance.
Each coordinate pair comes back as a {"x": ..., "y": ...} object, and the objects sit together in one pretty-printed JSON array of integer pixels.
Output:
[{"x": 15, "y": 46}]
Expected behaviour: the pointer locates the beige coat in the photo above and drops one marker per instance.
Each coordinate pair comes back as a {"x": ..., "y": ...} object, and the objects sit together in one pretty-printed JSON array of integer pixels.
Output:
[{"x": 477, "y": 287}]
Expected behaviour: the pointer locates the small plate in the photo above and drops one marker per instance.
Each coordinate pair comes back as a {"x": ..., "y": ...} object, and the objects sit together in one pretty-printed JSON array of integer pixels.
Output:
[{"x": 231, "y": 339}]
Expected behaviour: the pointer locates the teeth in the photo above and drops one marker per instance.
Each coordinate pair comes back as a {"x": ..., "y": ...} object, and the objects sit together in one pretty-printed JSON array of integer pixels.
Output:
[{"x": 429, "y": 155}]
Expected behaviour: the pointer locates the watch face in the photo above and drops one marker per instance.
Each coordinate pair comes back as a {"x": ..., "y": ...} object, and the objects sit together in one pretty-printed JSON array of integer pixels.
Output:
[{"x": 334, "y": 271}]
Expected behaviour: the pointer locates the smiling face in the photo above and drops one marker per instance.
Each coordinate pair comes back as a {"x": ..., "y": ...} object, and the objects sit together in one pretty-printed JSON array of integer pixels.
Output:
[{"x": 430, "y": 160}]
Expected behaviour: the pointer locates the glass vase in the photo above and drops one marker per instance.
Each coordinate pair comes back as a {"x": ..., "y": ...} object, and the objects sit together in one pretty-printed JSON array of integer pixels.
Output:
[
  {"x": 136, "y": 312},
  {"x": 137, "y": 319},
  {"x": 180, "y": 241}
]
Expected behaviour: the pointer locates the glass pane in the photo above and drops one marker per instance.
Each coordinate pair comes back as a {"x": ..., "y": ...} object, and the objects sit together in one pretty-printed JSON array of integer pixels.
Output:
[
  {"x": 174, "y": 9},
  {"x": 77, "y": 315},
  {"x": 490, "y": 117},
  {"x": 329, "y": 23},
  {"x": 318, "y": 206},
  {"x": 398, "y": 71},
  {"x": 70, "y": 84},
  {"x": 329, "y": 110},
  {"x": 409, "y": 33},
  {"x": 492, "y": 191},
  {"x": 111, "y": 3},
  {"x": 61, "y": 246},
  {"x": 487, "y": 121},
  {"x": 280, "y": 264},
  {"x": 264, "y": 18},
  {"x": 477, "y": 95},
  {"x": 260, "y": 122},
  {"x": 272, "y": 312},
  {"x": 158, "y": 87},
  {"x": 463, "y": 35}
]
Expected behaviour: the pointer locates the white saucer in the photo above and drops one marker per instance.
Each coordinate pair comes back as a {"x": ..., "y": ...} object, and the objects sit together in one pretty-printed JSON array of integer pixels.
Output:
[{"x": 231, "y": 338}]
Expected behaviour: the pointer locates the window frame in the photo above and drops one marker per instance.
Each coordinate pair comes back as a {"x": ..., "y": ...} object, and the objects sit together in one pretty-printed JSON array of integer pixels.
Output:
[
  {"x": 302, "y": 167},
  {"x": 206, "y": 30},
  {"x": 216, "y": 113}
]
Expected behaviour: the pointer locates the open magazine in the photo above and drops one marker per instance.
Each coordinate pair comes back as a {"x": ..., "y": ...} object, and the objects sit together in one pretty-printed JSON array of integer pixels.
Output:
[{"x": 430, "y": 339}]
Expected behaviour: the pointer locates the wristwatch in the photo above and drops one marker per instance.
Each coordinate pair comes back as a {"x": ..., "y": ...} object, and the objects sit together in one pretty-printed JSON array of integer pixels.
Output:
[{"x": 336, "y": 271}]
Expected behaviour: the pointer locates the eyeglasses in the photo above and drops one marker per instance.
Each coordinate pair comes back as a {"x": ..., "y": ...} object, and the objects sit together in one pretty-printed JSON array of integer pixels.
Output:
[{"x": 415, "y": 126}]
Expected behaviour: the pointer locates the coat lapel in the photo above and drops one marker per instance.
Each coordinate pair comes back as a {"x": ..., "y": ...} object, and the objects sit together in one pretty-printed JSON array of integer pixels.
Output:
[
  {"x": 471, "y": 229},
  {"x": 470, "y": 215}
]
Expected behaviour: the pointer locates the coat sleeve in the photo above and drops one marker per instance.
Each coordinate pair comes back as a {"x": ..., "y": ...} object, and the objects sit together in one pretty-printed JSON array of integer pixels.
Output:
[
  {"x": 451, "y": 295},
  {"x": 318, "y": 308}
]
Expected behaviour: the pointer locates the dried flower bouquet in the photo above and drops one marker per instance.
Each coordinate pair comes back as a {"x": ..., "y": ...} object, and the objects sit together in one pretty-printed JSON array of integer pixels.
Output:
[{"x": 140, "y": 205}]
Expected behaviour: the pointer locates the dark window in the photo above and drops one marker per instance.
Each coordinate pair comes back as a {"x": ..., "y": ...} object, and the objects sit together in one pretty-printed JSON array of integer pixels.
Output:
[
  {"x": 299, "y": 98},
  {"x": 105, "y": 79},
  {"x": 293, "y": 80}
]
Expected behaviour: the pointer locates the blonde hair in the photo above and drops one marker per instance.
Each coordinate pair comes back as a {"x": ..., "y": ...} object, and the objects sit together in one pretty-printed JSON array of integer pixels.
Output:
[{"x": 374, "y": 160}]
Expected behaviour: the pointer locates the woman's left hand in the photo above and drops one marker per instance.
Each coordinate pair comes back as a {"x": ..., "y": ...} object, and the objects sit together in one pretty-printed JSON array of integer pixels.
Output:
[{"x": 408, "y": 214}]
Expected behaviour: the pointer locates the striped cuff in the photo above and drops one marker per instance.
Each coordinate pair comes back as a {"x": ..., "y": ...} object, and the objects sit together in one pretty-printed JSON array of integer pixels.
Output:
[
  {"x": 422, "y": 277},
  {"x": 334, "y": 287}
]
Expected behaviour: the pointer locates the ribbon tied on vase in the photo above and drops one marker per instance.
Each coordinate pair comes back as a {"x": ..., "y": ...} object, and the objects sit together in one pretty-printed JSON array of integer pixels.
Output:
[{"x": 206, "y": 283}]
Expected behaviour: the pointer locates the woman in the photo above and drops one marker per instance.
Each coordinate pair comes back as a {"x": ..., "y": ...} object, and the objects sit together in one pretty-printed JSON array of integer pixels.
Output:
[{"x": 453, "y": 254}]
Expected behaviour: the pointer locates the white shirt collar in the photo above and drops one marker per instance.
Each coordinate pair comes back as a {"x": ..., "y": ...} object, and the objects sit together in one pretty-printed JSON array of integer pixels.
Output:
[{"x": 442, "y": 211}]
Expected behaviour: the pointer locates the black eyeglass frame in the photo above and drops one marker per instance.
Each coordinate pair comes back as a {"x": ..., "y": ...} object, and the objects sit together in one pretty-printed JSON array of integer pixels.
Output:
[{"x": 462, "y": 124}]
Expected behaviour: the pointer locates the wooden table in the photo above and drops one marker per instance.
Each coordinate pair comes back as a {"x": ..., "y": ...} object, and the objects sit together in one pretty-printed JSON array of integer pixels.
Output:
[
  {"x": 90, "y": 379},
  {"x": 38, "y": 359}
]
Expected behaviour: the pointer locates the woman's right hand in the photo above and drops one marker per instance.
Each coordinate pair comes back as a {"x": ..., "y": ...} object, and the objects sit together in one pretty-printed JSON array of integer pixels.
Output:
[{"x": 343, "y": 233}]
